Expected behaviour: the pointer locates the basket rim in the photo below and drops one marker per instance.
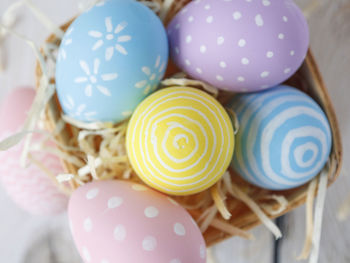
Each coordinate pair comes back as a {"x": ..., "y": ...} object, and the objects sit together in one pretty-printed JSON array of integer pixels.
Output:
[{"x": 337, "y": 146}]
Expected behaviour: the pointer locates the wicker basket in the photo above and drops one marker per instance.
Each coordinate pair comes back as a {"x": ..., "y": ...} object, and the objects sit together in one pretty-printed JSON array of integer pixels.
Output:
[{"x": 308, "y": 79}]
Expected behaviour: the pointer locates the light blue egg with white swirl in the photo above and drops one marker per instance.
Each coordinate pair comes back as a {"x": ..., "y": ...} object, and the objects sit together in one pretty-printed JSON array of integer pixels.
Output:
[
  {"x": 284, "y": 138},
  {"x": 110, "y": 59}
]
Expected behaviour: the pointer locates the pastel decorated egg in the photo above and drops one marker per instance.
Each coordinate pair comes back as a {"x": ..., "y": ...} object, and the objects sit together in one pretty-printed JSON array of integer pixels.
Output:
[
  {"x": 284, "y": 138},
  {"x": 110, "y": 59},
  {"x": 180, "y": 140},
  {"x": 240, "y": 46},
  {"x": 119, "y": 221},
  {"x": 30, "y": 187}
]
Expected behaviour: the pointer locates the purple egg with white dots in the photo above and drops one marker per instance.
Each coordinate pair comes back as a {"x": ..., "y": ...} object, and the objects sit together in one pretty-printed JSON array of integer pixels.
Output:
[{"x": 240, "y": 45}]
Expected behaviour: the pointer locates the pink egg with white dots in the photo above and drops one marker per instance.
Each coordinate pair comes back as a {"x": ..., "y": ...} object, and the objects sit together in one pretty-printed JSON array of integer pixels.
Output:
[
  {"x": 118, "y": 221},
  {"x": 239, "y": 45}
]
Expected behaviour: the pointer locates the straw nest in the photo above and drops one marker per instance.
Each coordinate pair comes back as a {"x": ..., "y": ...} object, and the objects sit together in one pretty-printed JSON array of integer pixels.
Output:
[{"x": 232, "y": 206}]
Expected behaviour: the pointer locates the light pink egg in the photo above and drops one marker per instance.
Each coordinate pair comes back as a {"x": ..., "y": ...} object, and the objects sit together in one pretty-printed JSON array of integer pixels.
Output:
[
  {"x": 118, "y": 221},
  {"x": 30, "y": 188}
]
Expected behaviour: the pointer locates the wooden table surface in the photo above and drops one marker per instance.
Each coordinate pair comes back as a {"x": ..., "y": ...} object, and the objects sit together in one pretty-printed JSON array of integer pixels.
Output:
[{"x": 27, "y": 239}]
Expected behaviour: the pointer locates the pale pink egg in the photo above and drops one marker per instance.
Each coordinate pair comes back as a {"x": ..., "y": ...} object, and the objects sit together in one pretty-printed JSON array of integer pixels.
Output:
[
  {"x": 30, "y": 187},
  {"x": 118, "y": 221},
  {"x": 14, "y": 109}
]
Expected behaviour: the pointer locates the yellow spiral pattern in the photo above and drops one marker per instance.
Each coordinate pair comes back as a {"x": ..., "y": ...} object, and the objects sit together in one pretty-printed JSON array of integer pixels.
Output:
[{"x": 180, "y": 140}]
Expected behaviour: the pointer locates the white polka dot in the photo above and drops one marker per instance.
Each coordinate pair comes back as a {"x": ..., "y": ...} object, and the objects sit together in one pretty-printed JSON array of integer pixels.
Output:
[
  {"x": 237, "y": 15},
  {"x": 151, "y": 212},
  {"x": 114, "y": 202},
  {"x": 139, "y": 187},
  {"x": 104, "y": 261},
  {"x": 210, "y": 19},
  {"x": 241, "y": 79},
  {"x": 285, "y": 19},
  {"x": 175, "y": 261},
  {"x": 173, "y": 201},
  {"x": 219, "y": 78},
  {"x": 203, "y": 49},
  {"x": 179, "y": 229},
  {"x": 266, "y": 2},
  {"x": 119, "y": 233},
  {"x": 187, "y": 62},
  {"x": 91, "y": 194},
  {"x": 188, "y": 39},
  {"x": 223, "y": 64},
  {"x": 177, "y": 50},
  {"x": 202, "y": 251},
  {"x": 245, "y": 61},
  {"x": 88, "y": 224},
  {"x": 281, "y": 36},
  {"x": 199, "y": 71},
  {"x": 242, "y": 42},
  {"x": 220, "y": 40},
  {"x": 149, "y": 243},
  {"x": 269, "y": 54},
  {"x": 292, "y": 52},
  {"x": 287, "y": 70},
  {"x": 265, "y": 74},
  {"x": 207, "y": 7},
  {"x": 183, "y": 10},
  {"x": 259, "y": 20},
  {"x": 190, "y": 19},
  {"x": 86, "y": 254}
]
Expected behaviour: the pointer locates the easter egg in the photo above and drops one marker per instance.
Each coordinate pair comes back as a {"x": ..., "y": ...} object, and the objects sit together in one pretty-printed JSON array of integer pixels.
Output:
[
  {"x": 30, "y": 187},
  {"x": 110, "y": 59},
  {"x": 180, "y": 140},
  {"x": 284, "y": 138},
  {"x": 239, "y": 46},
  {"x": 119, "y": 221}
]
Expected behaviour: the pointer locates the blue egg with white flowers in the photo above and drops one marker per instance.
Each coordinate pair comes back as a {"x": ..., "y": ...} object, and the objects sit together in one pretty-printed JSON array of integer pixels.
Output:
[
  {"x": 111, "y": 58},
  {"x": 284, "y": 139}
]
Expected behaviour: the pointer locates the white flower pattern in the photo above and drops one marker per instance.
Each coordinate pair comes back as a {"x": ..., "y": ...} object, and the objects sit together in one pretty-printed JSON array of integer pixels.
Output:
[
  {"x": 62, "y": 55},
  {"x": 92, "y": 78},
  {"x": 108, "y": 39},
  {"x": 152, "y": 76},
  {"x": 78, "y": 110}
]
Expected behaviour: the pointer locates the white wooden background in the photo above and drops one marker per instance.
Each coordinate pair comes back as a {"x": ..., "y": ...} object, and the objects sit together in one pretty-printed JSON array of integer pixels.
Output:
[{"x": 27, "y": 239}]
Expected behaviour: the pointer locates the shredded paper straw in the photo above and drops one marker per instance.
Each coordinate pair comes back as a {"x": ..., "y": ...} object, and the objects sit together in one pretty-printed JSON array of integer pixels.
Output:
[
  {"x": 239, "y": 194},
  {"x": 320, "y": 202},
  {"x": 309, "y": 220}
]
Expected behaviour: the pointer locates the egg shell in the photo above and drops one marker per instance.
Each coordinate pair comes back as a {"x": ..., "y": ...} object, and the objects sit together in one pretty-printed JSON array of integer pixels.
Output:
[
  {"x": 180, "y": 140},
  {"x": 240, "y": 46},
  {"x": 30, "y": 188},
  {"x": 121, "y": 221},
  {"x": 110, "y": 59},
  {"x": 284, "y": 138}
]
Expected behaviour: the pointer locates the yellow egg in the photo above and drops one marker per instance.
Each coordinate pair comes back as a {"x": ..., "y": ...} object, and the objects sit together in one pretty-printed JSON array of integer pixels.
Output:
[{"x": 180, "y": 140}]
